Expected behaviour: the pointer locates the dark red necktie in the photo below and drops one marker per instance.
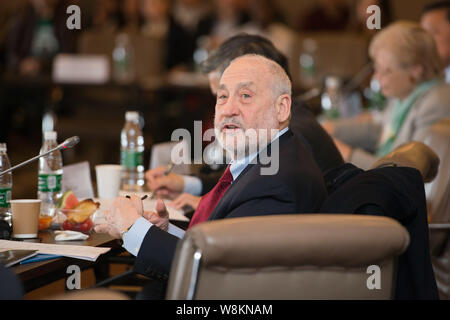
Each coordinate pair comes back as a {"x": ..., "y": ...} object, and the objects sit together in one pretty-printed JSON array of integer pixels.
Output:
[{"x": 210, "y": 200}]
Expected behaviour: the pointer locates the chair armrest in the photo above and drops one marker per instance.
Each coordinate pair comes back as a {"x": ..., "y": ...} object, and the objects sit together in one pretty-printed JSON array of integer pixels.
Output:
[{"x": 439, "y": 226}]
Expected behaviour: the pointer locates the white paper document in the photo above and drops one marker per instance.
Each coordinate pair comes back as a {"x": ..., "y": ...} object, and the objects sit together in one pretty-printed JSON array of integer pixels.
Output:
[
  {"x": 77, "y": 177},
  {"x": 78, "y": 252}
]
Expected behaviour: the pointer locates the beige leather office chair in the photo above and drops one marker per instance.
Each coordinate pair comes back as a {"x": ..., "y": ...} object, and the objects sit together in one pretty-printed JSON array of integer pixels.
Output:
[
  {"x": 438, "y": 203},
  {"x": 287, "y": 257},
  {"x": 90, "y": 294}
]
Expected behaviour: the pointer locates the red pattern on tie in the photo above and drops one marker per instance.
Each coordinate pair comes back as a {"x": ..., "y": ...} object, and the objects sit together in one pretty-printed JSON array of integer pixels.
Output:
[{"x": 210, "y": 200}]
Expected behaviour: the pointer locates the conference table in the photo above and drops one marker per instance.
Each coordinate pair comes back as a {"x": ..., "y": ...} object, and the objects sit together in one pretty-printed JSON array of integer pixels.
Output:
[{"x": 37, "y": 274}]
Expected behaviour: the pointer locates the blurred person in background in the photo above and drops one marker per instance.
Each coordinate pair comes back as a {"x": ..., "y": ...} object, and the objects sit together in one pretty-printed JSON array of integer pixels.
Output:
[
  {"x": 159, "y": 23},
  {"x": 325, "y": 15},
  {"x": 37, "y": 35},
  {"x": 221, "y": 24},
  {"x": 8, "y": 10},
  {"x": 407, "y": 66},
  {"x": 188, "y": 13},
  {"x": 267, "y": 21},
  {"x": 436, "y": 20},
  {"x": 106, "y": 16},
  {"x": 130, "y": 19}
]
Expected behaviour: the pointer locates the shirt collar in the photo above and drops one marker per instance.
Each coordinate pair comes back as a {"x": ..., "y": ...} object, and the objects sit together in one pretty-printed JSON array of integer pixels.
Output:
[{"x": 237, "y": 166}]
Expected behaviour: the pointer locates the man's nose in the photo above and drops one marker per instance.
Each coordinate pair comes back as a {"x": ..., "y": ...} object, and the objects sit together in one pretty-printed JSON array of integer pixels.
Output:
[{"x": 231, "y": 108}]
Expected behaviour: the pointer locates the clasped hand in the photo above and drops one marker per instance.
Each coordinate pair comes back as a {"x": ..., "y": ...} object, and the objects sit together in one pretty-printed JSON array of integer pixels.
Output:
[{"x": 124, "y": 212}]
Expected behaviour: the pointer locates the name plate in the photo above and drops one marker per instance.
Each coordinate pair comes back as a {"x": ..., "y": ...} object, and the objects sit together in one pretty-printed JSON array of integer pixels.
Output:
[{"x": 71, "y": 68}]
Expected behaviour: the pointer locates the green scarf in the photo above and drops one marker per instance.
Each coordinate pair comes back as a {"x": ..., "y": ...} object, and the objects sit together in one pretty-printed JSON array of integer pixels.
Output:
[{"x": 399, "y": 113}]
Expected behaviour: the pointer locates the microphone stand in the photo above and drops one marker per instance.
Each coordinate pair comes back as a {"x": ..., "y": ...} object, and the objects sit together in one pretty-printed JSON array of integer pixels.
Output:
[
  {"x": 66, "y": 144},
  {"x": 29, "y": 160}
]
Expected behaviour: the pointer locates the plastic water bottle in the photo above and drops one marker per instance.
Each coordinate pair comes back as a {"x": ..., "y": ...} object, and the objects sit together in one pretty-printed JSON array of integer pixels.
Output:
[
  {"x": 331, "y": 97},
  {"x": 5, "y": 195},
  {"x": 308, "y": 67},
  {"x": 132, "y": 153},
  {"x": 123, "y": 59},
  {"x": 50, "y": 175}
]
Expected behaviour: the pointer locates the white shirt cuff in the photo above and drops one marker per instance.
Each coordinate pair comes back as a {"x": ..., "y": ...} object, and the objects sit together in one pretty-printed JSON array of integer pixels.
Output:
[
  {"x": 192, "y": 185},
  {"x": 132, "y": 239},
  {"x": 174, "y": 230}
]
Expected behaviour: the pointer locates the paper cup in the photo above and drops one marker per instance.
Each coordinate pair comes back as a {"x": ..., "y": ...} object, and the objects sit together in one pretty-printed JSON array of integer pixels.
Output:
[
  {"x": 25, "y": 217},
  {"x": 108, "y": 180}
]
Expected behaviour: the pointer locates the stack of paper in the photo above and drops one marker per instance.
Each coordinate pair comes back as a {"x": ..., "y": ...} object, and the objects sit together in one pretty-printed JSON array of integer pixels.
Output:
[{"x": 71, "y": 251}]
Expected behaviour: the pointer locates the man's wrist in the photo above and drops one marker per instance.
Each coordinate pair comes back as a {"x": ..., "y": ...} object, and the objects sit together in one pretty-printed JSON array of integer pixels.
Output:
[{"x": 125, "y": 231}]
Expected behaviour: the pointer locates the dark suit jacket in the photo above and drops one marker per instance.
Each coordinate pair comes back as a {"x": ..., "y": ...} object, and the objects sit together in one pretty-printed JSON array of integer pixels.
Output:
[
  {"x": 298, "y": 187},
  {"x": 303, "y": 123},
  {"x": 397, "y": 193}
]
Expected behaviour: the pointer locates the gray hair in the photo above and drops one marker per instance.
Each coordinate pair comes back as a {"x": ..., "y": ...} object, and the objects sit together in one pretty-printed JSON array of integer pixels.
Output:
[
  {"x": 281, "y": 84},
  {"x": 410, "y": 45}
]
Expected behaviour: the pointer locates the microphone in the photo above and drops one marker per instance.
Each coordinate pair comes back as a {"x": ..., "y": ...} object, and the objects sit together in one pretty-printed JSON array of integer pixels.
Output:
[{"x": 68, "y": 143}]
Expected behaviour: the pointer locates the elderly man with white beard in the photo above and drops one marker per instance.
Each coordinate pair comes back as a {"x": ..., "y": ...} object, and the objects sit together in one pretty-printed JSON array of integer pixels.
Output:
[{"x": 253, "y": 103}]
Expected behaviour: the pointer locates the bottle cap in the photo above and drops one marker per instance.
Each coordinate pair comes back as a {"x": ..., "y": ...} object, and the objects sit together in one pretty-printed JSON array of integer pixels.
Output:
[
  {"x": 2, "y": 147},
  {"x": 332, "y": 82},
  {"x": 50, "y": 135},
  {"x": 132, "y": 116}
]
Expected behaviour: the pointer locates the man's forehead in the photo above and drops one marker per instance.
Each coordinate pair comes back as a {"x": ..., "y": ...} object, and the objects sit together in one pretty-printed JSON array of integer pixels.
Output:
[
  {"x": 247, "y": 71},
  {"x": 242, "y": 84}
]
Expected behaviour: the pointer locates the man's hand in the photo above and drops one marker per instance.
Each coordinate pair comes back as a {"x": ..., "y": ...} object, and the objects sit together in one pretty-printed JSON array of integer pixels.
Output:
[
  {"x": 185, "y": 199},
  {"x": 169, "y": 186},
  {"x": 122, "y": 214},
  {"x": 160, "y": 218}
]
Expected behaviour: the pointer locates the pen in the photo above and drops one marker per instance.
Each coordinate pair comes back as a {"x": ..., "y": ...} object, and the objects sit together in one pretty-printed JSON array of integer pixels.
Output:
[
  {"x": 143, "y": 198},
  {"x": 169, "y": 168}
]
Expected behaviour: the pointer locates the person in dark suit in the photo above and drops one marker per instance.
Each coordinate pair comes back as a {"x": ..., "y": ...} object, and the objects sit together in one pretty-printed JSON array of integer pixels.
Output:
[
  {"x": 254, "y": 94},
  {"x": 37, "y": 35},
  {"x": 303, "y": 124},
  {"x": 393, "y": 188}
]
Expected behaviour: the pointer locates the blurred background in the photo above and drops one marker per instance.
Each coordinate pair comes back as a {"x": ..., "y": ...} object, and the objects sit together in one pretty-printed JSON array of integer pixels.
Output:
[{"x": 144, "y": 55}]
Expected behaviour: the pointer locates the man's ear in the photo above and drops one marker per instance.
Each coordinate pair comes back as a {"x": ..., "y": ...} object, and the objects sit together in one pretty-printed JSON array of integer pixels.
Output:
[{"x": 283, "y": 107}]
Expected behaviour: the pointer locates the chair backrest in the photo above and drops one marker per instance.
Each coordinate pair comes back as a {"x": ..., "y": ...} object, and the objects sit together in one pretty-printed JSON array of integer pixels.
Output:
[
  {"x": 438, "y": 205},
  {"x": 312, "y": 256},
  {"x": 438, "y": 191}
]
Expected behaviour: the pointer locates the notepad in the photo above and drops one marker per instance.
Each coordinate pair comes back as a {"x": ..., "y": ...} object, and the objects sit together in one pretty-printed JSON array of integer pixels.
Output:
[
  {"x": 71, "y": 251},
  {"x": 40, "y": 257},
  {"x": 12, "y": 257}
]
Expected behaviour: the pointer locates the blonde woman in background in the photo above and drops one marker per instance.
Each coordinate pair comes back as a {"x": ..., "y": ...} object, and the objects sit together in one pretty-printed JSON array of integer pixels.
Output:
[{"x": 407, "y": 66}]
